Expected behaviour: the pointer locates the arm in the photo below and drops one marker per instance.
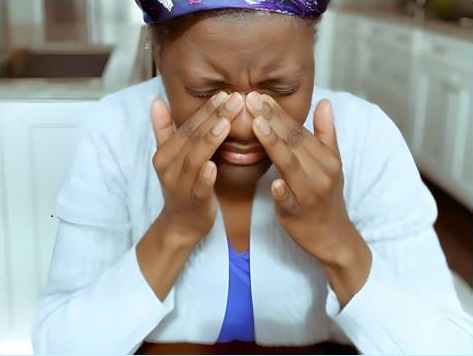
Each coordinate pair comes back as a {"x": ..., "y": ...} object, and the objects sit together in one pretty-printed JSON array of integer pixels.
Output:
[
  {"x": 94, "y": 262},
  {"x": 408, "y": 304},
  {"x": 105, "y": 295},
  {"x": 405, "y": 297}
]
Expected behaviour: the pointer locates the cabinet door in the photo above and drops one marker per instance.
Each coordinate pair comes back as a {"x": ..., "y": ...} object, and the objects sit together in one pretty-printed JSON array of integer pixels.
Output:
[
  {"x": 346, "y": 54},
  {"x": 38, "y": 141},
  {"x": 464, "y": 177},
  {"x": 387, "y": 82},
  {"x": 443, "y": 116},
  {"x": 388, "y": 56}
]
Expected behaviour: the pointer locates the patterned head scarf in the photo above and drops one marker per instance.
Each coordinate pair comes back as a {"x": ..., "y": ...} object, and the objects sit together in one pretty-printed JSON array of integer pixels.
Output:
[{"x": 158, "y": 11}]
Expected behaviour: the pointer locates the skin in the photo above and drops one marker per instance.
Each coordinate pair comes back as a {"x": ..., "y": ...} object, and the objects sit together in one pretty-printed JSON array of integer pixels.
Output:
[{"x": 247, "y": 92}]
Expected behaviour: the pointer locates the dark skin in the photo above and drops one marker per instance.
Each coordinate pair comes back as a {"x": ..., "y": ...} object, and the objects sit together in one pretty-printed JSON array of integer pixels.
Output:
[{"x": 239, "y": 103}]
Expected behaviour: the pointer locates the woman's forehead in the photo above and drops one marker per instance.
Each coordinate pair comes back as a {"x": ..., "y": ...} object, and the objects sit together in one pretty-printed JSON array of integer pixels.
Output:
[{"x": 273, "y": 47}]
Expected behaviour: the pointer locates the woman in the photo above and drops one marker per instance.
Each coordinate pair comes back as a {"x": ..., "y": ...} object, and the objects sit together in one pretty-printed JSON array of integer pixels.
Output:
[{"x": 244, "y": 164}]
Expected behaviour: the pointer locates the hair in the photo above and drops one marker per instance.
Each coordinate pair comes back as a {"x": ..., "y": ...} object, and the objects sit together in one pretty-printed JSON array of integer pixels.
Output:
[{"x": 166, "y": 32}]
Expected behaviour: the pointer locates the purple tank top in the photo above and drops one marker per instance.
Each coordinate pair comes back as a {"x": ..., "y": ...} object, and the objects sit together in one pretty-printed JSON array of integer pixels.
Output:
[{"x": 238, "y": 324}]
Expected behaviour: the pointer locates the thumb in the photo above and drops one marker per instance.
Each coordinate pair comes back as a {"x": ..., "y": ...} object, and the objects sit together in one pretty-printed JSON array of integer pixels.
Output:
[
  {"x": 162, "y": 120},
  {"x": 324, "y": 127}
]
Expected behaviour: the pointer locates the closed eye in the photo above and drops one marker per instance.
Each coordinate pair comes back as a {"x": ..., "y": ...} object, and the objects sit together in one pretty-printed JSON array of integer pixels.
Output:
[
  {"x": 208, "y": 93},
  {"x": 282, "y": 90},
  {"x": 277, "y": 90}
]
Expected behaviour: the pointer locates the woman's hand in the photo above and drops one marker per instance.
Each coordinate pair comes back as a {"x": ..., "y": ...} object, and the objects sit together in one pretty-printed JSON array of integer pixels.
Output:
[
  {"x": 182, "y": 163},
  {"x": 309, "y": 197},
  {"x": 187, "y": 176}
]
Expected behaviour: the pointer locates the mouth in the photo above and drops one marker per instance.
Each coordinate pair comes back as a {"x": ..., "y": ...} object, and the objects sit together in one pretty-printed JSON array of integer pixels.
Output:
[{"x": 241, "y": 154}]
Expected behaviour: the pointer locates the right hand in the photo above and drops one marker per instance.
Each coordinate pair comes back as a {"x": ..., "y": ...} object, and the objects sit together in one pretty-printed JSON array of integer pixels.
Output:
[{"x": 182, "y": 163}]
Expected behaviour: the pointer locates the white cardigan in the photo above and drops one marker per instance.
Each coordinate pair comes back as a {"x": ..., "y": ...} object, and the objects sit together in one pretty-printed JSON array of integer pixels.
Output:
[{"x": 97, "y": 300}]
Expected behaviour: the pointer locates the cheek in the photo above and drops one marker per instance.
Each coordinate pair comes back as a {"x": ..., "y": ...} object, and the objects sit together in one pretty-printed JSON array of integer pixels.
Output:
[
  {"x": 183, "y": 106},
  {"x": 297, "y": 106}
]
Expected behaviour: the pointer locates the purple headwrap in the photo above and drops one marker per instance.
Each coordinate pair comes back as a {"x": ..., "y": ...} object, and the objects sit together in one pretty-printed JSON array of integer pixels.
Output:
[{"x": 157, "y": 11}]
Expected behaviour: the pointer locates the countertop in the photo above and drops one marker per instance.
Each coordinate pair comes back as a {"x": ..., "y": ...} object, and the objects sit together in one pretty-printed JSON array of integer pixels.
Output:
[
  {"x": 128, "y": 43},
  {"x": 389, "y": 11}
]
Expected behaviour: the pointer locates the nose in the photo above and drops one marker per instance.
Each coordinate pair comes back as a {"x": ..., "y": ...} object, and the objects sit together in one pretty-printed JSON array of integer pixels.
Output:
[{"x": 242, "y": 126}]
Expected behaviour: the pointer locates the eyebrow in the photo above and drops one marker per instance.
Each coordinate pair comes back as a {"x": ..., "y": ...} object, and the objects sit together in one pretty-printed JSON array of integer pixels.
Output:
[{"x": 272, "y": 78}]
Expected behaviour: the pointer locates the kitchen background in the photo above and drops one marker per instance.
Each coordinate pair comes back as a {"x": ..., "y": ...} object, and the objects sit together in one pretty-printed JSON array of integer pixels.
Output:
[{"x": 413, "y": 58}]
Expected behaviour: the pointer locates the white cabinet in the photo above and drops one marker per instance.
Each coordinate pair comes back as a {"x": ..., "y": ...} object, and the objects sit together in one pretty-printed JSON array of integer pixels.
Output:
[
  {"x": 346, "y": 55},
  {"x": 443, "y": 115},
  {"x": 424, "y": 83},
  {"x": 387, "y": 56},
  {"x": 37, "y": 141}
]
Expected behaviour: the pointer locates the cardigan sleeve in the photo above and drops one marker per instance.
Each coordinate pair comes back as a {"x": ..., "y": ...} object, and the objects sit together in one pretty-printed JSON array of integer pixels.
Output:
[
  {"x": 408, "y": 304},
  {"x": 96, "y": 300}
]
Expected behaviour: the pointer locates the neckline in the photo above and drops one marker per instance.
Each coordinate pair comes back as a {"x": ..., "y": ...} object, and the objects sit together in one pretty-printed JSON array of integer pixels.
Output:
[{"x": 237, "y": 253}]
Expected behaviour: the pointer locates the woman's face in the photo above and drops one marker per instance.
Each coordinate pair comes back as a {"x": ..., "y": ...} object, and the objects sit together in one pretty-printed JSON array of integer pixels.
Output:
[{"x": 270, "y": 54}]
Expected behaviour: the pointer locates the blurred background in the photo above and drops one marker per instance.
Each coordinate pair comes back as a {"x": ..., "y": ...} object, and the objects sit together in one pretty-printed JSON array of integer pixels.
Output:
[{"x": 413, "y": 58}]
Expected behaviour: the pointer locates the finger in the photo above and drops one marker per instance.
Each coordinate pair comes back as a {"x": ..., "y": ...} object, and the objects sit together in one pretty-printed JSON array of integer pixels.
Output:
[
  {"x": 192, "y": 131},
  {"x": 203, "y": 186},
  {"x": 177, "y": 147},
  {"x": 285, "y": 160},
  {"x": 324, "y": 127},
  {"x": 290, "y": 130},
  {"x": 286, "y": 203},
  {"x": 203, "y": 143},
  {"x": 301, "y": 141},
  {"x": 203, "y": 151},
  {"x": 191, "y": 128},
  {"x": 161, "y": 120},
  {"x": 257, "y": 106}
]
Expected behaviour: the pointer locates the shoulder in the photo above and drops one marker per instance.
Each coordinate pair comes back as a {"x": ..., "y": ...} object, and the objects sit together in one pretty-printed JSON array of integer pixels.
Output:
[
  {"x": 352, "y": 112},
  {"x": 122, "y": 119},
  {"x": 359, "y": 124},
  {"x": 128, "y": 106}
]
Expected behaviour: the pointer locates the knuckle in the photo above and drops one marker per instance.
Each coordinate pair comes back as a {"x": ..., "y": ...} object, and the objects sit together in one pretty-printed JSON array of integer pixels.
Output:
[
  {"x": 291, "y": 163},
  {"x": 332, "y": 165},
  {"x": 335, "y": 166},
  {"x": 324, "y": 185},
  {"x": 197, "y": 198},
  {"x": 287, "y": 210},
  {"x": 167, "y": 180},
  {"x": 210, "y": 139},
  {"x": 192, "y": 131},
  {"x": 294, "y": 136},
  {"x": 272, "y": 140},
  {"x": 189, "y": 164},
  {"x": 158, "y": 163},
  {"x": 309, "y": 200}
]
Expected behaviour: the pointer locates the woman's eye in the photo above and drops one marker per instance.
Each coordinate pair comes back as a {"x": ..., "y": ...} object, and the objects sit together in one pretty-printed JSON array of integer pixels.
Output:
[
  {"x": 282, "y": 91},
  {"x": 202, "y": 93}
]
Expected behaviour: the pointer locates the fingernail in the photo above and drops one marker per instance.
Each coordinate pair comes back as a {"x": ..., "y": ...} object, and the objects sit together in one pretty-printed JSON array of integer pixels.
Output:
[
  {"x": 255, "y": 101},
  {"x": 208, "y": 171},
  {"x": 219, "y": 127},
  {"x": 262, "y": 125},
  {"x": 219, "y": 98},
  {"x": 279, "y": 188},
  {"x": 233, "y": 102}
]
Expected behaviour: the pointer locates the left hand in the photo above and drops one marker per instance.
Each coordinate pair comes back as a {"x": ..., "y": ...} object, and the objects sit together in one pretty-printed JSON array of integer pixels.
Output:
[{"x": 309, "y": 197}]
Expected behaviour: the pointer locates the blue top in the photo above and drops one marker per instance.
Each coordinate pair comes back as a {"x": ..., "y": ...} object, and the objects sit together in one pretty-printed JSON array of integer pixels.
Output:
[{"x": 238, "y": 324}]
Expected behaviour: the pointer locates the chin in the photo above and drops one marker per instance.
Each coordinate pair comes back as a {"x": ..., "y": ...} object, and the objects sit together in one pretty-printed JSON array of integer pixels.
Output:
[{"x": 239, "y": 175}]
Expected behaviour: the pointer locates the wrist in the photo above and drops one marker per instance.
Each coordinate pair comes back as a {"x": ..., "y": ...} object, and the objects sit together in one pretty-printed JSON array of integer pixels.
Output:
[
  {"x": 348, "y": 267},
  {"x": 171, "y": 239}
]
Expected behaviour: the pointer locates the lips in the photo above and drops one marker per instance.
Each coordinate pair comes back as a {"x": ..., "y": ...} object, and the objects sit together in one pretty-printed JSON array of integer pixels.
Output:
[{"x": 240, "y": 154}]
